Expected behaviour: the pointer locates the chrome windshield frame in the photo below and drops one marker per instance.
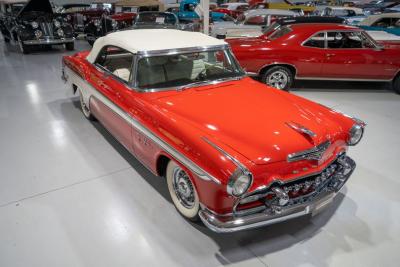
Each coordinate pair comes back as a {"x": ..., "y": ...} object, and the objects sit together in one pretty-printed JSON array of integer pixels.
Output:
[{"x": 167, "y": 52}]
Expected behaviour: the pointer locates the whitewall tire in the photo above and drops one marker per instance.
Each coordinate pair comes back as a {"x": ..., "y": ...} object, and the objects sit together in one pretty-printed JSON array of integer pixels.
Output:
[
  {"x": 182, "y": 191},
  {"x": 85, "y": 107}
]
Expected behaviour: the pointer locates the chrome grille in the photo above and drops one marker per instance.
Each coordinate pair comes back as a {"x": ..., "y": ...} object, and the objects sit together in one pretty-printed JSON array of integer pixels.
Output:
[
  {"x": 47, "y": 29},
  {"x": 79, "y": 20},
  {"x": 314, "y": 153},
  {"x": 304, "y": 190}
]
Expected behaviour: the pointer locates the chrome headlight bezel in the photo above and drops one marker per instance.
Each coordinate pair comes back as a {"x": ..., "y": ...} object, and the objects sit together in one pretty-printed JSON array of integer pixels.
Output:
[
  {"x": 34, "y": 25},
  {"x": 239, "y": 183},
  {"x": 57, "y": 24},
  {"x": 356, "y": 133}
]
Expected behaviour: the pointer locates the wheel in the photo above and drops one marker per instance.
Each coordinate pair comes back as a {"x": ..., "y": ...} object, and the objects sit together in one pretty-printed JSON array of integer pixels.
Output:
[
  {"x": 279, "y": 77},
  {"x": 85, "y": 109},
  {"x": 182, "y": 191},
  {"x": 25, "y": 49},
  {"x": 70, "y": 46},
  {"x": 396, "y": 84}
]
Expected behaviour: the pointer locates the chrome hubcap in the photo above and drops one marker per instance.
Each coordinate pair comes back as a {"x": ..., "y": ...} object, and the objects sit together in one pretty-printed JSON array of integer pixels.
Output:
[
  {"x": 183, "y": 188},
  {"x": 277, "y": 79}
]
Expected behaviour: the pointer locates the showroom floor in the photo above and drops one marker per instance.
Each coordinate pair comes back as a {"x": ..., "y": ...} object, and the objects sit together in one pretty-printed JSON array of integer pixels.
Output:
[{"x": 70, "y": 195}]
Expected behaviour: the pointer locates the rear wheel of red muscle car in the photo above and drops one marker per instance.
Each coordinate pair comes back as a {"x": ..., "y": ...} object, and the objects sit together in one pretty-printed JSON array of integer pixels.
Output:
[
  {"x": 279, "y": 77},
  {"x": 396, "y": 84},
  {"x": 85, "y": 109},
  {"x": 182, "y": 191}
]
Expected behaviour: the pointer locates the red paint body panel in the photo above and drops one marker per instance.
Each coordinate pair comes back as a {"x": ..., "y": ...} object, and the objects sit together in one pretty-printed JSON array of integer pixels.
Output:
[
  {"x": 245, "y": 118},
  {"x": 256, "y": 53},
  {"x": 125, "y": 16}
]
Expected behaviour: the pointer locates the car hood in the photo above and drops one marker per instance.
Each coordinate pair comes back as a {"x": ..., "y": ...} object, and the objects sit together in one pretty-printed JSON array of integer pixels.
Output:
[
  {"x": 251, "y": 118},
  {"x": 37, "y": 5}
]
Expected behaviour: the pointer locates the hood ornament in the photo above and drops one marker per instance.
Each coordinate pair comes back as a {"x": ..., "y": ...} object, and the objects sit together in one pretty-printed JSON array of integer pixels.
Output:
[{"x": 301, "y": 129}]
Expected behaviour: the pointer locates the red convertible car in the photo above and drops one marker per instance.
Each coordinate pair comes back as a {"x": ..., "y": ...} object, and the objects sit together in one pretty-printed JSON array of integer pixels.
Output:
[
  {"x": 318, "y": 52},
  {"x": 235, "y": 153}
]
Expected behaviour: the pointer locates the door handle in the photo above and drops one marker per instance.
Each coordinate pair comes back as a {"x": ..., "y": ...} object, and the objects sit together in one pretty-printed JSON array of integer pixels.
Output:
[{"x": 330, "y": 55}]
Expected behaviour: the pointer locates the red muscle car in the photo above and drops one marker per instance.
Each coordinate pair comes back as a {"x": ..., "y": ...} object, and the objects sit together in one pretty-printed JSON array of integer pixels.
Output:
[
  {"x": 318, "y": 52},
  {"x": 235, "y": 153}
]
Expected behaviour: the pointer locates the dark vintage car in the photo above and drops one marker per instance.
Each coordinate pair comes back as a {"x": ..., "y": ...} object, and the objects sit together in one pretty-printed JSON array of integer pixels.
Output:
[
  {"x": 163, "y": 20},
  {"x": 34, "y": 23},
  {"x": 124, "y": 17},
  {"x": 81, "y": 14}
]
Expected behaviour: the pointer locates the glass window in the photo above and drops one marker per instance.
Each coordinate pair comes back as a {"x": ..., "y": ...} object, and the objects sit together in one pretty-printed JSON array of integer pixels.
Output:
[
  {"x": 280, "y": 32},
  {"x": 156, "y": 18},
  {"x": 347, "y": 39},
  {"x": 184, "y": 69},
  {"x": 117, "y": 61},
  {"x": 255, "y": 20},
  {"x": 317, "y": 40}
]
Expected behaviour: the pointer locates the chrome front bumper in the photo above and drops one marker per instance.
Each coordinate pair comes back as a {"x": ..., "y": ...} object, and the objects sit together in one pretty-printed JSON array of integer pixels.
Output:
[
  {"x": 49, "y": 41},
  {"x": 226, "y": 224}
]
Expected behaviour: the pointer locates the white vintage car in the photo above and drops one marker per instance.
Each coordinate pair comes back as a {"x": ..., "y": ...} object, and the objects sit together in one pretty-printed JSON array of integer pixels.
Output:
[{"x": 251, "y": 26}]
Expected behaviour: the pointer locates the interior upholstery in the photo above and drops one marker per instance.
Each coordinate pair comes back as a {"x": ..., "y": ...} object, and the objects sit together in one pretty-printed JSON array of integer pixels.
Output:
[{"x": 122, "y": 73}]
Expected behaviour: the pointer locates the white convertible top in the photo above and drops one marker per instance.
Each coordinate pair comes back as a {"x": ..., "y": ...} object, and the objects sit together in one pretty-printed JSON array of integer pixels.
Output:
[
  {"x": 373, "y": 18},
  {"x": 143, "y": 40}
]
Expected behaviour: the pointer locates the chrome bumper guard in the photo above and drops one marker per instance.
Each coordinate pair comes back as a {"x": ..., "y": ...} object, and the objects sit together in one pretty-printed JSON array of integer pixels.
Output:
[
  {"x": 310, "y": 204},
  {"x": 49, "y": 41}
]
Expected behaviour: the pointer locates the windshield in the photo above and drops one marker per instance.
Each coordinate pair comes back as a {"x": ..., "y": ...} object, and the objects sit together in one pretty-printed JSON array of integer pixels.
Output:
[
  {"x": 186, "y": 69},
  {"x": 156, "y": 18}
]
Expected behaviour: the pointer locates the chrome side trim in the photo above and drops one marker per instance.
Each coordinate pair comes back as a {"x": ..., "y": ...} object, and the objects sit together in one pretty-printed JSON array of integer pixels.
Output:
[
  {"x": 49, "y": 41},
  {"x": 342, "y": 79},
  {"x": 227, "y": 155},
  {"x": 91, "y": 91}
]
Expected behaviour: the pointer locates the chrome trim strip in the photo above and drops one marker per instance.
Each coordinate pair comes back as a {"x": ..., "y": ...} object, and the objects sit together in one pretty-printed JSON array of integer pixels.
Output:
[
  {"x": 342, "y": 79},
  {"x": 278, "y": 63},
  {"x": 181, "y": 50},
  {"x": 227, "y": 155},
  {"x": 49, "y": 41},
  {"x": 197, "y": 170}
]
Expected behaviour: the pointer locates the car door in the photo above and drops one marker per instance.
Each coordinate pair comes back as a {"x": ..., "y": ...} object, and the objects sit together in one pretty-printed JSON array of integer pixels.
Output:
[
  {"x": 111, "y": 79},
  {"x": 353, "y": 55},
  {"x": 310, "y": 58}
]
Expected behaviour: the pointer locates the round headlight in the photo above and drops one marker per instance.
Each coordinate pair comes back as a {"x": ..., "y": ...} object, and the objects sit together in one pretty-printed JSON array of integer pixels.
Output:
[
  {"x": 96, "y": 22},
  {"x": 60, "y": 32},
  {"x": 241, "y": 185},
  {"x": 355, "y": 134},
  {"x": 38, "y": 34},
  {"x": 57, "y": 24},
  {"x": 34, "y": 24}
]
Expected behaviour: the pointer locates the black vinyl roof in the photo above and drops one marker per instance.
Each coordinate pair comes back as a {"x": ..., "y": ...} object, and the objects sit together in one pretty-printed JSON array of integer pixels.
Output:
[{"x": 310, "y": 19}]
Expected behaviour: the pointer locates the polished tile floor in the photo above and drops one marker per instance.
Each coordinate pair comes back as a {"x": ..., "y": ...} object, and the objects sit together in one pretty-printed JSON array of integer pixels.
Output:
[{"x": 70, "y": 195}]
